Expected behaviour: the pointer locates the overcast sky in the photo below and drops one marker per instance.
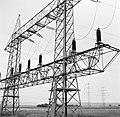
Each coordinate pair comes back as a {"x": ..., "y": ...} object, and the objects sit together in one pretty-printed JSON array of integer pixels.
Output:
[{"x": 107, "y": 18}]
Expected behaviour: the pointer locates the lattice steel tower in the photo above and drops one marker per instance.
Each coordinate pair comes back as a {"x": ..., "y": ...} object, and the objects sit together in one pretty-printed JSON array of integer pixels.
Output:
[
  {"x": 62, "y": 73},
  {"x": 11, "y": 94},
  {"x": 64, "y": 87}
]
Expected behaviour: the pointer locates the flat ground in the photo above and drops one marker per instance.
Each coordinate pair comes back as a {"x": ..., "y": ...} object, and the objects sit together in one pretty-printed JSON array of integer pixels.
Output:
[
  {"x": 102, "y": 112},
  {"x": 86, "y": 112}
]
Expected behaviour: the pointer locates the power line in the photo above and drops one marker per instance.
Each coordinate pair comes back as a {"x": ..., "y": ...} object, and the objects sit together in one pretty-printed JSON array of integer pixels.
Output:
[
  {"x": 48, "y": 52},
  {"x": 38, "y": 46},
  {"x": 95, "y": 29},
  {"x": 112, "y": 17},
  {"x": 29, "y": 51},
  {"x": 35, "y": 49},
  {"x": 92, "y": 23},
  {"x": 110, "y": 5},
  {"x": 48, "y": 42},
  {"x": 111, "y": 34},
  {"x": 86, "y": 27},
  {"x": 86, "y": 37},
  {"x": 44, "y": 48}
]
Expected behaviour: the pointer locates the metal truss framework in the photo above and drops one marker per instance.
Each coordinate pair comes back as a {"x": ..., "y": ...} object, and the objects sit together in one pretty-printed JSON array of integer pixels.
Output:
[
  {"x": 79, "y": 64},
  {"x": 11, "y": 96},
  {"x": 39, "y": 21},
  {"x": 85, "y": 63},
  {"x": 64, "y": 87},
  {"x": 67, "y": 66}
]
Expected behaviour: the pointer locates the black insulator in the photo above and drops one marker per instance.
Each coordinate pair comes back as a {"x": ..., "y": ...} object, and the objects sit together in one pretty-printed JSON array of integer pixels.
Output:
[
  {"x": 40, "y": 59},
  {"x": 98, "y": 33},
  {"x": 20, "y": 67},
  {"x": 12, "y": 70},
  {"x": 29, "y": 64},
  {"x": 73, "y": 45}
]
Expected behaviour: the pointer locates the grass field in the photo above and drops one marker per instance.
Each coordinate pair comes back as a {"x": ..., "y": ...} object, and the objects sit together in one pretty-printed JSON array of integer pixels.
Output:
[{"x": 86, "y": 112}]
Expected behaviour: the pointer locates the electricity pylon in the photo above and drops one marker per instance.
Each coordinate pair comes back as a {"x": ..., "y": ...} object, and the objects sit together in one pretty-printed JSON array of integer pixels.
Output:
[
  {"x": 64, "y": 87},
  {"x": 88, "y": 93},
  {"x": 67, "y": 66},
  {"x": 11, "y": 95},
  {"x": 103, "y": 95}
]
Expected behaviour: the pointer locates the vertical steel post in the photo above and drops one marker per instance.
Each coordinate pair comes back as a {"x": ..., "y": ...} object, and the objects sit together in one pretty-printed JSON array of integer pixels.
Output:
[
  {"x": 64, "y": 87},
  {"x": 64, "y": 63},
  {"x": 10, "y": 100}
]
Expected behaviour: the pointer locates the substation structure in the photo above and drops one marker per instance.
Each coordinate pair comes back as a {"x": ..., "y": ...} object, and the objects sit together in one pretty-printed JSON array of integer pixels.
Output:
[{"x": 63, "y": 72}]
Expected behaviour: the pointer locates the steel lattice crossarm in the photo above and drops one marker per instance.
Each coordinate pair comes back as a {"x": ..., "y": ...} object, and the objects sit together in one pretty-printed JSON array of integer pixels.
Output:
[
  {"x": 80, "y": 63},
  {"x": 39, "y": 21}
]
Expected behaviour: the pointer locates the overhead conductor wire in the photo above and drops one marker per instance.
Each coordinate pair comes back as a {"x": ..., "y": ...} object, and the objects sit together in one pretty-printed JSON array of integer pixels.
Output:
[
  {"x": 92, "y": 23},
  {"x": 115, "y": 6},
  {"x": 47, "y": 45},
  {"x": 35, "y": 49}
]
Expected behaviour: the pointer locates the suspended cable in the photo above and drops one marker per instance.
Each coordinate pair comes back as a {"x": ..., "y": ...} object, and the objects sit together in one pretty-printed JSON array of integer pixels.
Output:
[
  {"x": 49, "y": 40},
  {"x": 83, "y": 38},
  {"x": 48, "y": 52},
  {"x": 92, "y": 23},
  {"x": 35, "y": 49},
  {"x": 112, "y": 17},
  {"x": 48, "y": 43},
  {"x": 110, "y": 5},
  {"x": 95, "y": 29},
  {"x": 44, "y": 48},
  {"x": 82, "y": 26},
  {"x": 27, "y": 55},
  {"x": 29, "y": 51},
  {"x": 111, "y": 34}
]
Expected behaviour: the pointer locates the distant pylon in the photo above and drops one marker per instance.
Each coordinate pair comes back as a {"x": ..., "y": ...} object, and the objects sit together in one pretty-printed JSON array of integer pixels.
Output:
[
  {"x": 11, "y": 95},
  {"x": 88, "y": 88},
  {"x": 103, "y": 95}
]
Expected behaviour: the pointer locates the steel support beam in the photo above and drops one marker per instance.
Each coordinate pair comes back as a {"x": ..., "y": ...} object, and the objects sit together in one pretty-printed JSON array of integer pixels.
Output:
[{"x": 89, "y": 62}]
